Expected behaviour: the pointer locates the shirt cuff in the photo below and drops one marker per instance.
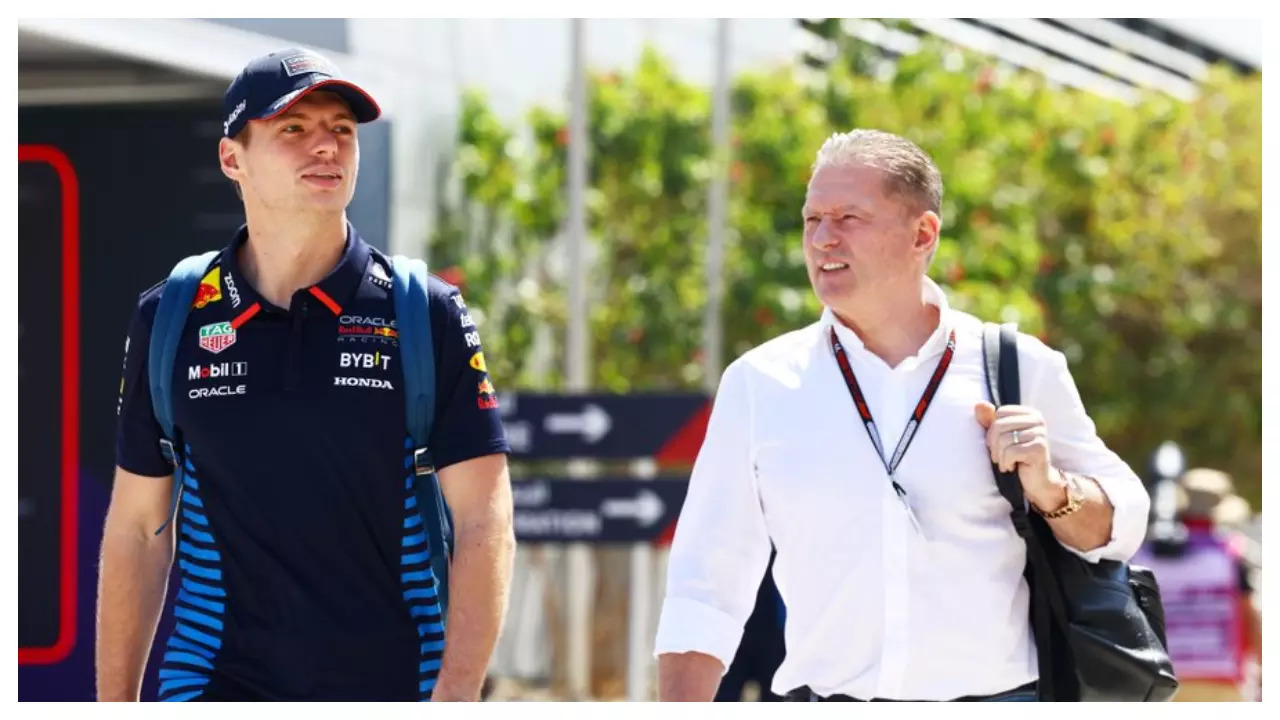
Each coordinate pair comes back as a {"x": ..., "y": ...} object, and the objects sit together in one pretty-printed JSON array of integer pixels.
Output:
[
  {"x": 690, "y": 626},
  {"x": 1130, "y": 507}
]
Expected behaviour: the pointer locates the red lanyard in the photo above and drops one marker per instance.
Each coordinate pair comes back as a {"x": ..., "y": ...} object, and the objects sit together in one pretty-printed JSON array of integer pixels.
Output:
[{"x": 909, "y": 432}]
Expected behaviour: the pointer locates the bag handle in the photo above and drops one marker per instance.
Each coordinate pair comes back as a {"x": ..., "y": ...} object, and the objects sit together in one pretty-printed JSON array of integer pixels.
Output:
[{"x": 1000, "y": 357}]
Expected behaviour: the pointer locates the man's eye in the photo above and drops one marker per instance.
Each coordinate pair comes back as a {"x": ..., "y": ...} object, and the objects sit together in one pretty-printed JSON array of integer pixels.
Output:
[
  {"x": 345, "y": 129},
  {"x": 811, "y": 220},
  {"x": 292, "y": 128}
]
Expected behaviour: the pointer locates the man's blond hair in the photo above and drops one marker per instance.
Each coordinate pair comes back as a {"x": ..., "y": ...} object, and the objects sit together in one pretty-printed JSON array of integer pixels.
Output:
[{"x": 910, "y": 171}]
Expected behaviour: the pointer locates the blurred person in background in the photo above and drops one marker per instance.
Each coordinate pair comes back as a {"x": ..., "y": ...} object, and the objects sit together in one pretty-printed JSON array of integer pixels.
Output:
[
  {"x": 304, "y": 575},
  {"x": 1213, "y": 618},
  {"x": 900, "y": 568},
  {"x": 761, "y": 650}
]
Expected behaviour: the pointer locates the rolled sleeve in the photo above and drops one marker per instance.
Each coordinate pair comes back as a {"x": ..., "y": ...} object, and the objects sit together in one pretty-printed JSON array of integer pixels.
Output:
[
  {"x": 721, "y": 544},
  {"x": 688, "y": 625},
  {"x": 1075, "y": 447},
  {"x": 1132, "y": 507}
]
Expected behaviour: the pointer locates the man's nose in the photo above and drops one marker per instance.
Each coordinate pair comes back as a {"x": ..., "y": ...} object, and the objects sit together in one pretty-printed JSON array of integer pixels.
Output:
[
  {"x": 823, "y": 238},
  {"x": 326, "y": 145}
]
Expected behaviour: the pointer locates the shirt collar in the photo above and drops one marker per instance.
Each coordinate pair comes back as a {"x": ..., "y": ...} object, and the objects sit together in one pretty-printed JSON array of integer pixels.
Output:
[
  {"x": 937, "y": 342},
  {"x": 335, "y": 290}
]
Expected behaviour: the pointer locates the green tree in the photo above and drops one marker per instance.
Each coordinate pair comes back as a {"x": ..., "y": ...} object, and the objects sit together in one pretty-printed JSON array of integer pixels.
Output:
[{"x": 1127, "y": 236}]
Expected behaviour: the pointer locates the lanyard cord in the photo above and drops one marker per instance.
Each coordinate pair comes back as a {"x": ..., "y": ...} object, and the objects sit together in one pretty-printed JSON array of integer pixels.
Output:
[{"x": 909, "y": 432}]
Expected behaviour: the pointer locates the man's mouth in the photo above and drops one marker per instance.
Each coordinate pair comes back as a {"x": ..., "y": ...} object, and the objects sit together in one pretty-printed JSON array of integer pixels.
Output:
[
  {"x": 833, "y": 266},
  {"x": 326, "y": 179}
]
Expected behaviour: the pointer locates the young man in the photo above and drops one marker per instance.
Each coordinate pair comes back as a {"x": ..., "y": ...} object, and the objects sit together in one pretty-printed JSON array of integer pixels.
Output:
[
  {"x": 896, "y": 557},
  {"x": 304, "y": 569}
]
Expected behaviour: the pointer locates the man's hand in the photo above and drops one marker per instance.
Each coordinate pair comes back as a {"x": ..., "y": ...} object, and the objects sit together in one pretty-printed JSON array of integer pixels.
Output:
[
  {"x": 1044, "y": 485},
  {"x": 1018, "y": 439},
  {"x": 132, "y": 580},
  {"x": 479, "y": 492},
  {"x": 688, "y": 677}
]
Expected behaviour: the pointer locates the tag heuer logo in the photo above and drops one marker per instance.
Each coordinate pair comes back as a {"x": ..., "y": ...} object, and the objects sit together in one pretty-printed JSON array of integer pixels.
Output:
[{"x": 217, "y": 337}]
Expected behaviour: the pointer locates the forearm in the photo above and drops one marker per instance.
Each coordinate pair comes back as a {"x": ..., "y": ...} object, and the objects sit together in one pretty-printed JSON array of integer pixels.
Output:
[
  {"x": 1087, "y": 528},
  {"x": 688, "y": 677},
  {"x": 131, "y": 589},
  {"x": 479, "y": 580}
]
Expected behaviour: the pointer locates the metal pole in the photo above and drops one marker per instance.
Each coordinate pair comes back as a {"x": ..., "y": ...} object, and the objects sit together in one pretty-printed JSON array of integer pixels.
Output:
[
  {"x": 639, "y": 608},
  {"x": 717, "y": 212},
  {"x": 578, "y": 556},
  {"x": 639, "y": 635}
]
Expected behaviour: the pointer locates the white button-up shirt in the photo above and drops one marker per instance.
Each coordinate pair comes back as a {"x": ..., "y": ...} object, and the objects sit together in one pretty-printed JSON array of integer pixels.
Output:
[{"x": 875, "y": 606}]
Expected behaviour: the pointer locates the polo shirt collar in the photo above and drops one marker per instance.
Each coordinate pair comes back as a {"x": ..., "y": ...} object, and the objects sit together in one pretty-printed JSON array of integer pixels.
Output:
[{"x": 335, "y": 290}]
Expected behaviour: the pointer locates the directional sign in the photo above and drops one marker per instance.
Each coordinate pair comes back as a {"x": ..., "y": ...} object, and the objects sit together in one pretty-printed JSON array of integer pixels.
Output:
[
  {"x": 606, "y": 510},
  {"x": 666, "y": 427}
]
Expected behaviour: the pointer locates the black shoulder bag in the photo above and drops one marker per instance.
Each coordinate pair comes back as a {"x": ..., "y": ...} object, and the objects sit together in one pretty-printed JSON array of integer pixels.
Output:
[{"x": 1099, "y": 628}]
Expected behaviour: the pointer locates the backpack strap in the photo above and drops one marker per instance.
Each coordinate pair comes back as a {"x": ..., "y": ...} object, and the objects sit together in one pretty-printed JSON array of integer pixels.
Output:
[
  {"x": 166, "y": 332},
  {"x": 1000, "y": 361},
  {"x": 1000, "y": 358},
  {"x": 1010, "y": 388},
  {"x": 417, "y": 357},
  {"x": 991, "y": 361}
]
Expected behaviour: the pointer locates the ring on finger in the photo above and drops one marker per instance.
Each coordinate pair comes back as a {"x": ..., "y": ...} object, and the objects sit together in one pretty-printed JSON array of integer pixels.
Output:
[{"x": 1017, "y": 437}]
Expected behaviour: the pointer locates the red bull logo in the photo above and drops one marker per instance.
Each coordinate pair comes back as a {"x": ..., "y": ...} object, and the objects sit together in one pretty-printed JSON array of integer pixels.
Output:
[
  {"x": 488, "y": 398},
  {"x": 366, "y": 329},
  {"x": 384, "y": 332},
  {"x": 210, "y": 290}
]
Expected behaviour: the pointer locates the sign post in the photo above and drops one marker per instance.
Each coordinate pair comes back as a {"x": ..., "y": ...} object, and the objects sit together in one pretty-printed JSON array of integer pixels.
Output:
[{"x": 665, "y": 430}]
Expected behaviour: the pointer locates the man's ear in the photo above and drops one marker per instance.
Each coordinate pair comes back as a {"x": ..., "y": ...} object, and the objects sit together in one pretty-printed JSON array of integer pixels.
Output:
[
  {"x": 229, "y": 158},
  {"x": 928, "y": 229}
]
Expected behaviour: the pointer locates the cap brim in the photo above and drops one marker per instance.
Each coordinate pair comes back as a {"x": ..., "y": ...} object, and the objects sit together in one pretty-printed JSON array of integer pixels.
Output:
[{"x": 363, "y": 106}]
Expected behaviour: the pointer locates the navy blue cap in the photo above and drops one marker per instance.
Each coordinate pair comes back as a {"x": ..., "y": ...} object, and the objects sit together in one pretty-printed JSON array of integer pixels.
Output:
[{"x": 268, "y": 85}]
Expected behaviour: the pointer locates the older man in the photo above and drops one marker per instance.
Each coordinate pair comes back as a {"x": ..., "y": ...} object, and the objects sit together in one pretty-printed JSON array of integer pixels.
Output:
[{"x": 860, "y": 447}]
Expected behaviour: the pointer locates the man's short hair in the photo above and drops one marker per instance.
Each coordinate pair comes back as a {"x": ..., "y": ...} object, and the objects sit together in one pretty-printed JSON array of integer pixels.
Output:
[{"x": 910, "y": 171}]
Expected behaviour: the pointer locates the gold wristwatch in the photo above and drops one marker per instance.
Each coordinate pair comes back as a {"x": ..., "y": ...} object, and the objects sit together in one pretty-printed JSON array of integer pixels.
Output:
[{"x": 1075, "y": 498}]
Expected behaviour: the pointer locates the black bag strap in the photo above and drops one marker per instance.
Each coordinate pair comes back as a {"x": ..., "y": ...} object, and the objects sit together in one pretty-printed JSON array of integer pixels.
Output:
[
  {"x": 1000, "y": 354},
  {"x": 1000, "y": 357}
]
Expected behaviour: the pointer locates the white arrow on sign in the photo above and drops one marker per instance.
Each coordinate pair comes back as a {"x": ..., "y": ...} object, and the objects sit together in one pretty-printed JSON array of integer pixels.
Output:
[
  {"x": 592, "y": 423},
  {"x": 646, "y": 507}
]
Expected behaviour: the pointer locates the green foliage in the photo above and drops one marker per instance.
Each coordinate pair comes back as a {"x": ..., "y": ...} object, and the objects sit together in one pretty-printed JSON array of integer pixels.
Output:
[{"x": 1127, "y": 236}]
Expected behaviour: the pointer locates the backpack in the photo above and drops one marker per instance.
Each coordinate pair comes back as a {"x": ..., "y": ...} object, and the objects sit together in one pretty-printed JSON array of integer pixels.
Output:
[{"x": 417, "y": 357}]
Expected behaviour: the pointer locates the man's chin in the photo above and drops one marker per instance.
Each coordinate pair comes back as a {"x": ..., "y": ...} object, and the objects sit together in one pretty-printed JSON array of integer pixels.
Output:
[
  {"x": 832, "y": 293},
  {"x": 329, "y": 202}
]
